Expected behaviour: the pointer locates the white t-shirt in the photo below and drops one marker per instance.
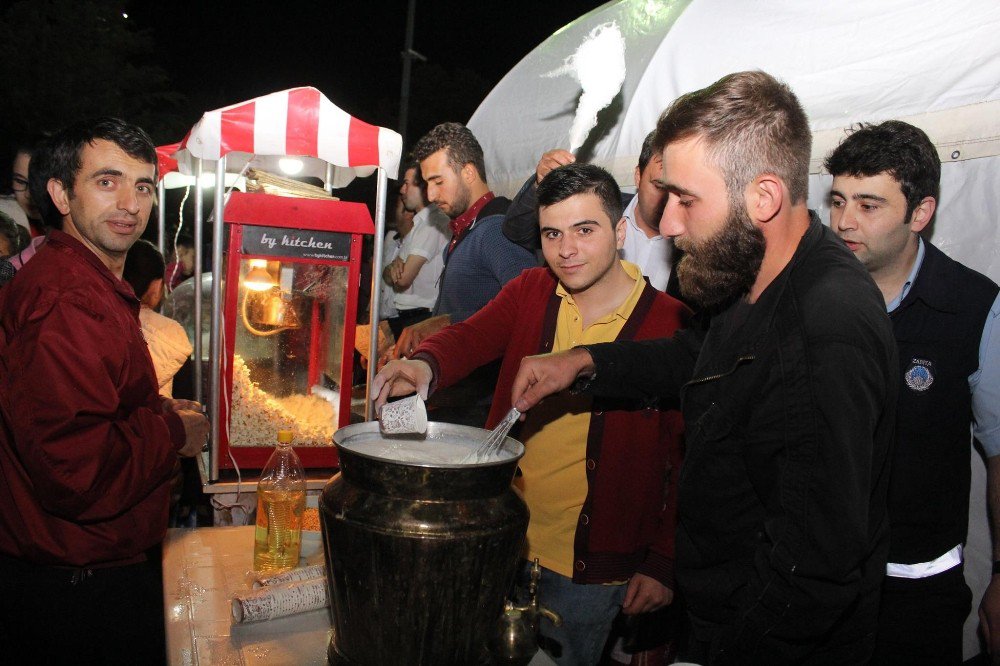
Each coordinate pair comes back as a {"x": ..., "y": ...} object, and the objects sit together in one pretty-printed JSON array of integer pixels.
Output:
[
  {"x": 169, "y": 347},
  {"x": 428, "y": 239},
  {"x": 390, "y": 250},
  {"x": 651, "y": 255}
]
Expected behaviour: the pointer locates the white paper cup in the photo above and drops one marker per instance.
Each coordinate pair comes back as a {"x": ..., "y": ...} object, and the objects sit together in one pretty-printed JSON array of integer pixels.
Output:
[{"x": 403, "y": 417}]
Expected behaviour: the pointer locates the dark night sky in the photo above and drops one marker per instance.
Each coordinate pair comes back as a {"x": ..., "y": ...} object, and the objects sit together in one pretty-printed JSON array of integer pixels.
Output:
[{"x": 223, "y": 52}]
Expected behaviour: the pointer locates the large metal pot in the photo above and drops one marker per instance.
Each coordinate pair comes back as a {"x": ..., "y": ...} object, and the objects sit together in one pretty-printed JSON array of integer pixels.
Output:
[{"x": 419, "y": 557}]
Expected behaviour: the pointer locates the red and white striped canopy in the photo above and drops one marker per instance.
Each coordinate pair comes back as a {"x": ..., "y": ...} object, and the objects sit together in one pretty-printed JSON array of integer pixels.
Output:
[{"x": 299, "y": 122}]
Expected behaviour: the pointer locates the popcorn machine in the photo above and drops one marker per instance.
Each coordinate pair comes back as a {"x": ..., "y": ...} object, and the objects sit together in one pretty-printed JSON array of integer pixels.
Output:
[{"x": 291, "y": 276}]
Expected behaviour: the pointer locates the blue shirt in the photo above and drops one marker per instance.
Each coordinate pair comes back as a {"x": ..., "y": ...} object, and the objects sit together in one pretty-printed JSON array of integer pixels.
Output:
[{"x": 984, "y": 383}]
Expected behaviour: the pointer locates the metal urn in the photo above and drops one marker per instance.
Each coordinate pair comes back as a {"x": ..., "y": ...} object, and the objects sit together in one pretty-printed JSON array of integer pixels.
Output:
[{"x": 419, "y": 555}]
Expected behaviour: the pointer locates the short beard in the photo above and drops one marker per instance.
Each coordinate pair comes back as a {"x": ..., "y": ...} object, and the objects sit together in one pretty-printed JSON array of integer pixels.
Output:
[
  {"x": 461, "y": 203},
  {"x": 717, "y": 271}
]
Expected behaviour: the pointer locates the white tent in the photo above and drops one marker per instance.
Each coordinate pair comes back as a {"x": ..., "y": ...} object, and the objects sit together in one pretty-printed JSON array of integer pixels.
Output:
[{"x": 934, "y": 64}]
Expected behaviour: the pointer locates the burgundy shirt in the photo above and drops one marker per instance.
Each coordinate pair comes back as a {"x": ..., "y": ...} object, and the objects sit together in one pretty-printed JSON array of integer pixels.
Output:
[
  {"x": 86, "y": 452},
  {"x": 461, "y": 224}
]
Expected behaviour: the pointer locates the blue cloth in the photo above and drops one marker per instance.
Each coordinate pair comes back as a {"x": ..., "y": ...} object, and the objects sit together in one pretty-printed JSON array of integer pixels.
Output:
[
  {"x": 587, "y": 613},
  {"x": 482, "y": 263},
  {"x": 984, "y": 383}
]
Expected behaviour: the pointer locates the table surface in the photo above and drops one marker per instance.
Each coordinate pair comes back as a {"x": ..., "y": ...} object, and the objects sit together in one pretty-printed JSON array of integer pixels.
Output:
[{"x": 202, "y": 569}]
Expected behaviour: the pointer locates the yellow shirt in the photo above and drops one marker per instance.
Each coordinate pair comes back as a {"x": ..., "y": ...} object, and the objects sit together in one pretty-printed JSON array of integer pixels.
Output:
[{"x": 554, "y": 478}]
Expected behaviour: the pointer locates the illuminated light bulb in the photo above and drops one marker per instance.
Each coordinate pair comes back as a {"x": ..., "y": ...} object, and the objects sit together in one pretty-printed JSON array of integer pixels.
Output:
[
  {"x": 258, "y": 279},
  {"x": 290, "y": 165}
]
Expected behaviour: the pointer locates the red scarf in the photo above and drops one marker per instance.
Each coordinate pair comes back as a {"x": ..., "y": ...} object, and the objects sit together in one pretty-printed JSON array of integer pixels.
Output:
[{"x": 461, "y": 224}]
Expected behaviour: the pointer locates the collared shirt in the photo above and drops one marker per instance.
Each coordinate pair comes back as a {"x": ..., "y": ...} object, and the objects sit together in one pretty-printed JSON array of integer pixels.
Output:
[
  {"x": 984, "y": 383},
  {"x": 651, "y": 255},
  {"x": 554, "y": 481},
  {"x": 387, "y": 295},
  {"x": 461, "y": 224},
  {"x": 427, "y": 239}
]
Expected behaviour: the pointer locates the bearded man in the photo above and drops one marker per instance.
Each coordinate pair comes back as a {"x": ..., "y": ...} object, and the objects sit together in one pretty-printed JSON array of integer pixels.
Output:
[{"x": 788, "y": 396}]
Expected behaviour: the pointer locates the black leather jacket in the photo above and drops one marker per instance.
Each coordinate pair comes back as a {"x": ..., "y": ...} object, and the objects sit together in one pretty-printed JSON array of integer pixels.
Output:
[{"x": 789, "y": 409}]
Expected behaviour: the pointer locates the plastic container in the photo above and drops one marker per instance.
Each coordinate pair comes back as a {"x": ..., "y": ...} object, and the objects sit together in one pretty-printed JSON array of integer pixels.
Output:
[{"x": 281, "y": 501}]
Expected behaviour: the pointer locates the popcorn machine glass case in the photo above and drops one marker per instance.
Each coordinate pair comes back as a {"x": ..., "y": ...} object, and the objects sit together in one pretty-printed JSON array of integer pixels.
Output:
[{"x": 290, "y": 302}]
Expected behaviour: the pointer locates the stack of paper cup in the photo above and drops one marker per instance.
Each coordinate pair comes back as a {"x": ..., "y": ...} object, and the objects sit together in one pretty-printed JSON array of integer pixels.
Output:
[{"x": 404, "y": 417}]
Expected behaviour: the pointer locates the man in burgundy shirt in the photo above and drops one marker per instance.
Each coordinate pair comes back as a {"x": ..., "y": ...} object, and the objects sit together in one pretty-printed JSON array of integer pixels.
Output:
[{"x": 87, "y": 446}]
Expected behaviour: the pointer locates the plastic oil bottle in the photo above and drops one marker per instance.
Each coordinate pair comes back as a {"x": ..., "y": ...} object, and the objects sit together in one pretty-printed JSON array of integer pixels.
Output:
[{"x": 281, "y": 501}]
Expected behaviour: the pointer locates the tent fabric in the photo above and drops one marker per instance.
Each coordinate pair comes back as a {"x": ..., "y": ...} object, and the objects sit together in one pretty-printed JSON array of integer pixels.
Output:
[
  {"x": 934, "y": 64},
  {"x": 921, "y": 60},
  {"x": 299, "y": 122}
]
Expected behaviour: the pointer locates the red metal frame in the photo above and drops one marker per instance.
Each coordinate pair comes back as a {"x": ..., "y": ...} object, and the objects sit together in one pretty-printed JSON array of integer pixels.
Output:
[{"x": 306, "y": 214}]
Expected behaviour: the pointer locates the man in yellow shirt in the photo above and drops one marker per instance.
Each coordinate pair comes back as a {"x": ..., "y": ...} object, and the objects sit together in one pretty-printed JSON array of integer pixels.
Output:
[{"x": 599, "y": 477}]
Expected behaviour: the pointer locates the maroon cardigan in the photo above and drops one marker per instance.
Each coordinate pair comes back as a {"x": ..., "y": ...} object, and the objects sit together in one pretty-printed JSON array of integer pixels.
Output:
[{"x": 634, "y": 450}]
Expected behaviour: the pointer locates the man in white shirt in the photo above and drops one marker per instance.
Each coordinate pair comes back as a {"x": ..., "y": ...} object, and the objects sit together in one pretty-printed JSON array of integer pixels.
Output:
[{"x": 414, "y": 273}]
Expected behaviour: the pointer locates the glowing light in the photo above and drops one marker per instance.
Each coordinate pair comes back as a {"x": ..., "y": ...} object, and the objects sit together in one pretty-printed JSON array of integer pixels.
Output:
[
  {"x": 258, "y": 279},
  {"x": 290, "y": 165}
]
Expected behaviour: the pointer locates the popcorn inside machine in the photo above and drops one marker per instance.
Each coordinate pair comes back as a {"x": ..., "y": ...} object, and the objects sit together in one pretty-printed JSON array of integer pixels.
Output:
[{"x": 292, "y": 272}]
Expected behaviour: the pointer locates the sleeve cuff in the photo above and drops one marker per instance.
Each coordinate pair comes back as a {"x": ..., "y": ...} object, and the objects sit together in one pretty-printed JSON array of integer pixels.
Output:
[
  {"x": 178, "y": 437},
  {"x": 660, "y": 567}
]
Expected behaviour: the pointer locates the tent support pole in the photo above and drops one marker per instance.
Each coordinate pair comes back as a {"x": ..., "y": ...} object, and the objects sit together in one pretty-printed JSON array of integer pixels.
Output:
[
  {"x": 215, "y": 337},
  {"x": 380, "y": 196},
  {"x": 199, "y": 216}
]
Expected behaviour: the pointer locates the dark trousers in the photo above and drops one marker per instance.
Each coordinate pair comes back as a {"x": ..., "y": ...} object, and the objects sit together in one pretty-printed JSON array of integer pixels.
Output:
[
  {"x": 406, "y": 318},
  {"x": 54, "y": 615},
  {"x": 920, "y": 620}
]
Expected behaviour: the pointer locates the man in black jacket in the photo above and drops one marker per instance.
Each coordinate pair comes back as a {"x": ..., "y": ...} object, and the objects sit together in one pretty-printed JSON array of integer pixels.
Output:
[
  {"x": 885, "y": 189},
  {"x": 787, "y": 397}
]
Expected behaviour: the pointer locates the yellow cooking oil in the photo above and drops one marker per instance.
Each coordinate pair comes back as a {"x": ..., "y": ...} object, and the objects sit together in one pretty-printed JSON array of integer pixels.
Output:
[{"x": 281, "y": 501}]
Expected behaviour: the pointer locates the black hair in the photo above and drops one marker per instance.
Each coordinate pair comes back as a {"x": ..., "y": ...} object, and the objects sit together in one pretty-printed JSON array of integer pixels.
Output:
[
  {"x": 12, "y": 231},
  {"x": 903, "y": 151},
  {"x": 59, "y": 156},
  {"x": 28, "y": 144},
  {"x": 751, "y": 124},
  {"x": 459, "y": 144},
  {"x": 572, "y": 179},
  {"x": 185, "y": 240},
  {"x": 646, "y": 153},
  {"x": 143, "y": 264}
]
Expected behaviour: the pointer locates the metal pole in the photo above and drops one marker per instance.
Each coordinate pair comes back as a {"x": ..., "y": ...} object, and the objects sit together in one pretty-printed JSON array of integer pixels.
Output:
[
  {"x": 328, "y": 179},
  {"x": 408, "y": 55},
  {"x": 161, "y": 217},
  {"x": 215, "y": 337},
  {"x": 380, "y": 196},
  {"x": 199, "y": 213}
]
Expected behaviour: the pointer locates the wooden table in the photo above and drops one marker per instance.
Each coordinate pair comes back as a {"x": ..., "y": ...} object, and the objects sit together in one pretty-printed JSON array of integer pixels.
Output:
[{"x": 202, "y": 569}]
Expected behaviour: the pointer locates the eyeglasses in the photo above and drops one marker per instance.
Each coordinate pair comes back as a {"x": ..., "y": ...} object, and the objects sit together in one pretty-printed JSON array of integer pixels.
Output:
[{"x": 19, "y": 184}]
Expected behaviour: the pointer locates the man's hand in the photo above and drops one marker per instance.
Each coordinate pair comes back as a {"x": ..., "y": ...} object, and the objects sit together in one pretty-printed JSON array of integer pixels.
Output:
[
  {"x": 395, "y": 270},
  {"x": 645, "y": 594},
  {"x": 552, "y": 160},
  {"x": 173, "y": 405},
  {"x": 196, "y": 429},
  {"x": 989, "y": 618},
  {"x": 989, "y": 607},
  {"x": 543, "y": 375},
  {"x": 413, "y": 335},
  {"x": 401, "y": 377}
]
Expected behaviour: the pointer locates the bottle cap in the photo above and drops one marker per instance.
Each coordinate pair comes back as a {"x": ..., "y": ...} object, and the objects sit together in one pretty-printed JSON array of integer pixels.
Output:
[{"x": 285, "y": 436}]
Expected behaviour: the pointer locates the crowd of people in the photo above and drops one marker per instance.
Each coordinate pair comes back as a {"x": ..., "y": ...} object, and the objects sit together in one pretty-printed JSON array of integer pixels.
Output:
[{"x": 733, "y": 411}]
